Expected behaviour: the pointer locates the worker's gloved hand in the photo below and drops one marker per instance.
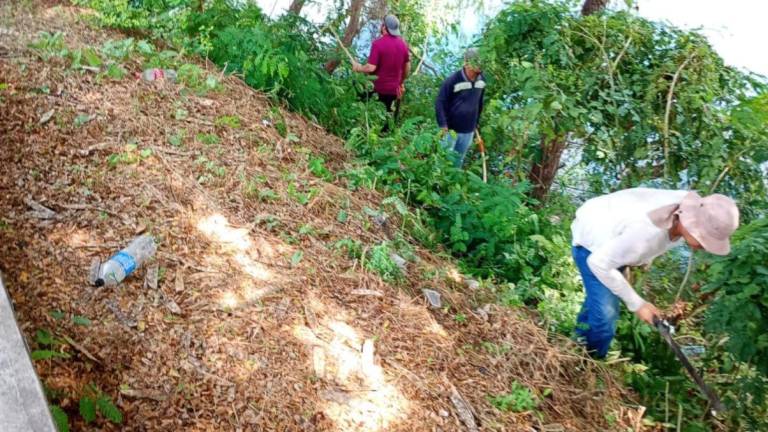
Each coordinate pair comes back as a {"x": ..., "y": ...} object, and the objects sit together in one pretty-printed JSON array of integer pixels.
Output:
[
  {"x": 647, "y": 312},
  {"x": 443, "y": 131}
]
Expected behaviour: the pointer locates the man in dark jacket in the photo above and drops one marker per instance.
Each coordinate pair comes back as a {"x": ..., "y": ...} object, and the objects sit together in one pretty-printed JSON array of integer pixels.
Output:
[{"x": 459, "y": 104}]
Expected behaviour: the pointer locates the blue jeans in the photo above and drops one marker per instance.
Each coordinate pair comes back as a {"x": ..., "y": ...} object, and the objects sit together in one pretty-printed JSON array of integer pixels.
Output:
[
  {"x": 596, "y": 323},
  {"x": 459, "y": 144}
]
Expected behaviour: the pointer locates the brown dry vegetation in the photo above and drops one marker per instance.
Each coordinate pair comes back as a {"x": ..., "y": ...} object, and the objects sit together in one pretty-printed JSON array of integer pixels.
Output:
[{"x": 235, "y": 336}]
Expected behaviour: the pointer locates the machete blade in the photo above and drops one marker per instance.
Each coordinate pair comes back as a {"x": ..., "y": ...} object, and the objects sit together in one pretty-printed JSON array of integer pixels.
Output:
[{"x": 666, "y": 331}]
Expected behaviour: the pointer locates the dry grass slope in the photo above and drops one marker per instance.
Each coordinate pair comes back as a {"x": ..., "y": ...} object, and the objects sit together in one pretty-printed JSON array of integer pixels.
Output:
[{"x": 237, "y": 335}]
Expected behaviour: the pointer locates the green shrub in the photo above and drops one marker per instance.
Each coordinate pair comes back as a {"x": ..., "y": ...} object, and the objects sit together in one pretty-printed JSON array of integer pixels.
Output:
[{"x": 739, "y": 311}]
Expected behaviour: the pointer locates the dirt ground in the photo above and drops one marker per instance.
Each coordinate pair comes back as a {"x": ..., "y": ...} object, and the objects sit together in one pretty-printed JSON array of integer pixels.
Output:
[{"x": 255, "y": 321}]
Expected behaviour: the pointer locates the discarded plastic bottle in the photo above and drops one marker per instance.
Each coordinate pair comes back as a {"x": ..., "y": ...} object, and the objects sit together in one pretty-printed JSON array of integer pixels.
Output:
[
  {"x": 126, "y": 261},
  {"x": 158, "y": 74}
]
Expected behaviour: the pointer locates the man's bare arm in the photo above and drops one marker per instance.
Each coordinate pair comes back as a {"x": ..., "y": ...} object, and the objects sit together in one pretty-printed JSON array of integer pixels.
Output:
[{"x": 366, "y": 68}]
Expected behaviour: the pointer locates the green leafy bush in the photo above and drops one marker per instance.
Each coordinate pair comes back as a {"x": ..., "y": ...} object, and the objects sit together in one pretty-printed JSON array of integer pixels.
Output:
[
  {"x": 739, "y": 311},
  {"x": 740, "y": 308},
  {"x": 488, "y": 225}
]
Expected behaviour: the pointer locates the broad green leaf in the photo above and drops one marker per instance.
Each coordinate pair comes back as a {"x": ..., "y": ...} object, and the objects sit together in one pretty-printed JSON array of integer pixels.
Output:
[
  {"x": 87, "y": 409},
  {"x": 82, "y": 119},
  {"x": 91, "y": 57},
  {"x": 116, "y": 72},
  {"x": 81, "y": 320},
  {"x": 145, "y": 48},
  {"x": 342, "y": 216},
  {"x": 44, "y": 337},
  {"x": 60, "y": 418},
  {"x": 296, "y": 258},
  {"x": 47, "y": 354}
]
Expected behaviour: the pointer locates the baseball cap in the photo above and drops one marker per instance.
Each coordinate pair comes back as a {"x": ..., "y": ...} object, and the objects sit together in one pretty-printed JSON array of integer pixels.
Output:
[
  {"x": 392, "y": 24},
  {"x": 472, "y": 56},
  {"x": 711, "y": 220}
]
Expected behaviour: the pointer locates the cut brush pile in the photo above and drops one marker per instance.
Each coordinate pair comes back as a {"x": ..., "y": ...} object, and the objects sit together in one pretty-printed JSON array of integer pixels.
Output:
[{"x": 273, "y": 302}]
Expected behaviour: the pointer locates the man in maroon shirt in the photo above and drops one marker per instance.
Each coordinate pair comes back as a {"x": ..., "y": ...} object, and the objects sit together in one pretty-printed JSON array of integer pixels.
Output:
[{"x": 390, "y": 62}]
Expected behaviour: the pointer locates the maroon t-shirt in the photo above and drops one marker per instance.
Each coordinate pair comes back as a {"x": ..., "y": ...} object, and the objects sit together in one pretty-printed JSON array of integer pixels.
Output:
[{"x": 389, "y": 54}]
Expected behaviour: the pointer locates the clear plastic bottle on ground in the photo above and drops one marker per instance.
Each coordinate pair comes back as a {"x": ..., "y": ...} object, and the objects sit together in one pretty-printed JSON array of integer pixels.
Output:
[{"x": 126, "y": 261}]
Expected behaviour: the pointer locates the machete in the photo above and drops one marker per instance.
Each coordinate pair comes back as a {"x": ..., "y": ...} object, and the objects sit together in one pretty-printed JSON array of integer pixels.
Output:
[{"x": 666, "y": 330}]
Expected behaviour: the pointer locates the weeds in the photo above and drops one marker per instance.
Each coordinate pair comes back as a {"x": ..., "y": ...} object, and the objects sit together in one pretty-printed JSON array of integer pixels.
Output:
[
  {"x": 211, "y": 169},
  {"x": 307, "y": 230},
  {"x": 379, "y": 260},
  {"x": 177, "y": 139},
  {"x": 268, "y": 221},
  {"x": 82, "y": 119},
  {"x": 49, "y": 45},
  {"x": 92, "y": 401},
  {"x": 196, "y": 79},
  {"x": 130, "y": 155},
  {"x": 342, "y": 216},
  {"x": 296, "y": 258},
  {"x": 115, "y": 72},
  {"x": 208, "y": 138},
  {"x": 85, "y": 57},
  {"x": 519, "y": 399},
  {"x": 318, "y": 169},
  {"x": 255, "y": 188},
  {"x": 300, "y": 197},
  {"x": 353, "y": 248},
  {"x": 180, "y": 113},
  {"x": 51, "y": 346},
  {"x": 232, "y": 122}
]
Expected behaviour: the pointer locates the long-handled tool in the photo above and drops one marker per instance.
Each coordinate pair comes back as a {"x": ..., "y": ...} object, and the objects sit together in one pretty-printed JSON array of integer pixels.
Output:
[
  {"x": 336, "y": 36},
  {"x": 666, "y": 330},
  {"x": 481, "y": 146}
]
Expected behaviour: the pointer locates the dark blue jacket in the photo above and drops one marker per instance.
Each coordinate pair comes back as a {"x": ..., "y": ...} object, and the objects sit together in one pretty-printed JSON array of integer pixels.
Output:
[{"x": 460, "y": 102}]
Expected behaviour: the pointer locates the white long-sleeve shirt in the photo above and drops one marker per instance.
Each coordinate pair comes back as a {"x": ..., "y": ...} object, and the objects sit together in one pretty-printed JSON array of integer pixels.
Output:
[{"x": 620, "y": 230}]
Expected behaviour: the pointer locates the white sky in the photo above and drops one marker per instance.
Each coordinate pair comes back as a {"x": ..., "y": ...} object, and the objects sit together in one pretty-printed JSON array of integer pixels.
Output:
[{"x": 738, "y": 29}]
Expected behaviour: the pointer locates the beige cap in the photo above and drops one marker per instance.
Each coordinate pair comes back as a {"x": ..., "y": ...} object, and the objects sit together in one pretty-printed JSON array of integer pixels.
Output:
[{"x": 710, "y": 220}]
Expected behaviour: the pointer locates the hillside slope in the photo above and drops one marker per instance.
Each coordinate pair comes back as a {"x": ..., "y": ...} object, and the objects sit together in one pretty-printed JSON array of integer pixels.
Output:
[{"x": 268, "y": 312}]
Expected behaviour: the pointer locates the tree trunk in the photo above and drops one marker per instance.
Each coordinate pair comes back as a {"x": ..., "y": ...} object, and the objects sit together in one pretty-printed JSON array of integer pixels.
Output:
[
  {"x": 543, "y": 171},
  {"x": 296, "y": 6},
  {"x": 593, "y": 6},
  {"x": 353, "y": 28}
]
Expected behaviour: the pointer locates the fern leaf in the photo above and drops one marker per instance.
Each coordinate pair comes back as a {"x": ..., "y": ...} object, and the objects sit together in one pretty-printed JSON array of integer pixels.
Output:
[
  {"x": 109, "y": 410},
  {"x": 60, "y": 418},
  {"x": 87, "y": 409}
]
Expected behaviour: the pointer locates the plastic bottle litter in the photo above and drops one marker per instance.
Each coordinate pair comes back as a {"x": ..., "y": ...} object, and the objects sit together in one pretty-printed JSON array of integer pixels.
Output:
[
  {"x": 155, "y": 74},
  {"x": 433, "y": 297},
  {"x": 126, "y": 261},
  {"x": 399, "y": 261}
]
